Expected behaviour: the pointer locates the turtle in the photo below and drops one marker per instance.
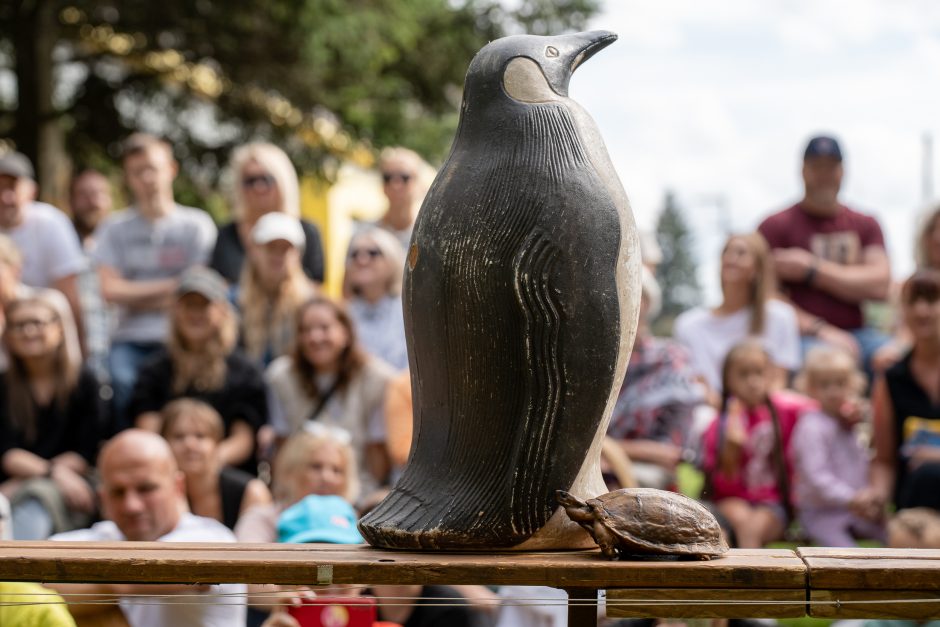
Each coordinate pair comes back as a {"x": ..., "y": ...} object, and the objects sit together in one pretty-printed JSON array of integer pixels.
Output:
[{"x": 644, "y": 521}]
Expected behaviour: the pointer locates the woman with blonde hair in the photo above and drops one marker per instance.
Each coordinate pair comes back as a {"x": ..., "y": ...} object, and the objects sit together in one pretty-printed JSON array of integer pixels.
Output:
[
  {"x": 321, "y": 462},
  {"x": 926, "y": 256},
  {"x": 272, "y": 286},
  {"x": 405, "y": 180},
  {"x": 194, "y": 430},
  {"x": 747, "y": 309},
  {"x": 264, "y": 182},
  {"x": 201, "y": 361},
  {"x": 50, "y": 424},
  {"x": 372, "y": 286}
]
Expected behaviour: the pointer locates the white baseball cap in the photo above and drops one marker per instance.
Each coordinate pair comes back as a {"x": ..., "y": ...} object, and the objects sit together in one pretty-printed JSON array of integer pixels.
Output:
[{"x": 277, "y": 225}]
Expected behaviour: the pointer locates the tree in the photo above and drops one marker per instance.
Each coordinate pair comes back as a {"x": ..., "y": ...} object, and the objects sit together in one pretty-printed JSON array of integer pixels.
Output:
[
  {"x": 677, "y": 273},
  {"x": 326, "y": 79}
]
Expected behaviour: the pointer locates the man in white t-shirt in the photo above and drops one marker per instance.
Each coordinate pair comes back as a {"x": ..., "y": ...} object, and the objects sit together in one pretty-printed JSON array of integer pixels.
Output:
[
  {"x": 52, "y": 255},
  {"x": 143, "y": 498}
]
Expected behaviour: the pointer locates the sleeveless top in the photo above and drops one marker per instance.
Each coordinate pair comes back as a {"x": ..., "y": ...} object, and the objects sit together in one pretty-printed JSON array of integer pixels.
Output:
[
  {"x": 916, "y": 417},
  {"x": 232, "y": 485}
]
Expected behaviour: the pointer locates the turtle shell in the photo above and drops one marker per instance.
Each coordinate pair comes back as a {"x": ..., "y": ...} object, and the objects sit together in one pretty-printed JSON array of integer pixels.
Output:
[{"x": 647, "y": 521}]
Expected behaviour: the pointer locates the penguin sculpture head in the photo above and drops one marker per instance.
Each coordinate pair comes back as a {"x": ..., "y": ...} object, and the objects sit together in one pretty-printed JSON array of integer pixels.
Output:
[{"x": 530, "y": 68}]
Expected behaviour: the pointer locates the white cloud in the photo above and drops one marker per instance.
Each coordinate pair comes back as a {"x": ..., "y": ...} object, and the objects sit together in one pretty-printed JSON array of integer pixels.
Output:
[{"x": 716, "y": 100}]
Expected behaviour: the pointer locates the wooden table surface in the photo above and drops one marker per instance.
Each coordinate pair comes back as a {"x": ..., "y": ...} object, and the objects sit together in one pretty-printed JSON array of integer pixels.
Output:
[
  {"x": 164, "y": 562},
  {"x": 821, "y": 582}
]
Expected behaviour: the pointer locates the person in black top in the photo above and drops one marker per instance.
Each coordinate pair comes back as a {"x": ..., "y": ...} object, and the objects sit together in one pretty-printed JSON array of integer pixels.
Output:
[
  {"x": 906, "y": 404},
  {"x": 200, "y": 361},
  {"x": 194, "y": 430},
  {"x": 265, "y": 181},
  {"x": 50, "y": 424}
]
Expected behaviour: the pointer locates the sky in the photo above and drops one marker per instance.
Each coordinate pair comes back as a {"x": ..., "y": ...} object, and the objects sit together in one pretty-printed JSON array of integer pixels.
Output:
[{"x": 717, "y": 100}]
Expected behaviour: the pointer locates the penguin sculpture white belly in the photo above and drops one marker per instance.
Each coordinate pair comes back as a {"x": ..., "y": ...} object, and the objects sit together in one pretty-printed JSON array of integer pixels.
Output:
[{"x": 521, "y": 298}]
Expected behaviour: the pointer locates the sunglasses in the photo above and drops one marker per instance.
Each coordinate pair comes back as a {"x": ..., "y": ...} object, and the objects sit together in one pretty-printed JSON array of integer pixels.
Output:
[
  {"x": 370, "y": 253},
  {"x": 258, "y": 182},
  {"x": 388, "y": 177}
]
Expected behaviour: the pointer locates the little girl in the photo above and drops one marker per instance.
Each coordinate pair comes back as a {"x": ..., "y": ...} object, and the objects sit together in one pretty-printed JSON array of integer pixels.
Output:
[
  {"x": 744, "y": 449},
  {"x": 831, "y": 488}
]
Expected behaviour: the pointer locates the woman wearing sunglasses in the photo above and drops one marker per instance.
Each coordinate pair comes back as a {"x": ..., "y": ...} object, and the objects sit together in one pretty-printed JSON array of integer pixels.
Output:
[
  {"x": 372, "y": 286},
  {"x": 405, "y": 176},
  {"x": 264, "y": 182}
]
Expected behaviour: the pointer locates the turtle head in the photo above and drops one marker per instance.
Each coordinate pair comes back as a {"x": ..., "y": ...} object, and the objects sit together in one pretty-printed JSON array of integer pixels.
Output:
[{"x": 577, "y": 510}]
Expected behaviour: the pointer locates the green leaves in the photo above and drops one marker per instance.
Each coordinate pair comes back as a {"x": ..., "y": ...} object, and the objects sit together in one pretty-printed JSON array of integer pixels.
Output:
[{"x": 212, "y": 74}]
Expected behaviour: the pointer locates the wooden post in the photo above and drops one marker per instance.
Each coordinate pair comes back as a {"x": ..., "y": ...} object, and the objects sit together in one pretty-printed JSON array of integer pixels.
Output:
[{"x": 582, "y": 607}]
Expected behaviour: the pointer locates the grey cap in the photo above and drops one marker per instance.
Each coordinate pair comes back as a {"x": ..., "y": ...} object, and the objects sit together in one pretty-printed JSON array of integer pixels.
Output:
[
  {"x": 16, "y": 164},
  {"x": 204, "y": 281}
]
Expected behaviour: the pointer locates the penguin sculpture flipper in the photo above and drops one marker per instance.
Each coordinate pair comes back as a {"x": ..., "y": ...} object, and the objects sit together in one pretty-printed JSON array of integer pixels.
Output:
[{"x": 515, "y": 319}]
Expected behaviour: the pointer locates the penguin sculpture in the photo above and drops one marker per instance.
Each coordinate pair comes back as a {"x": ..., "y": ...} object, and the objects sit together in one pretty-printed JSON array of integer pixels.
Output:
[{"x": 520, "y": 299}]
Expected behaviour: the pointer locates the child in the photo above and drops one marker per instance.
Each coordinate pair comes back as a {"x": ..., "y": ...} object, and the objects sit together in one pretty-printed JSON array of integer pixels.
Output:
[
  {"x": 744, "y": 449},
  {"x": 915, "y": 528},
  {"x": 831, "y": 488}
]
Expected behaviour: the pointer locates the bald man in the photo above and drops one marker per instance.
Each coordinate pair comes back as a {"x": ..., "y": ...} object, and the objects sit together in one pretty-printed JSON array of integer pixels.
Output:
[{"x": 142, "y": 496}]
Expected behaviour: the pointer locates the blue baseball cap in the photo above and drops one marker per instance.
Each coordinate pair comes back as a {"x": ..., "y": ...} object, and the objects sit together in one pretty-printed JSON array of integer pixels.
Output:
[
  {"x": 823, "y": 146},
  {"x": 318, "y": 518}
]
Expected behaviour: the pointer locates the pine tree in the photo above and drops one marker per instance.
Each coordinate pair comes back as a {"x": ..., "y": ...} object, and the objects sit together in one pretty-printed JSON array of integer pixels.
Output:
[{"x": 677, "y": 274}]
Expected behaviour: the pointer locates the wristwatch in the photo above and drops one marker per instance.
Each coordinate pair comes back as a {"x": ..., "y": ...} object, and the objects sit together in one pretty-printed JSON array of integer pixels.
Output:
[{"x": 810, "y": 274}]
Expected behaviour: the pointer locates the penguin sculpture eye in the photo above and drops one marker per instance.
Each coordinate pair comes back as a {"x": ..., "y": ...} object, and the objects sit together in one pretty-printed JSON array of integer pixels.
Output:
[
  {"x": 524, "y": 81},
  {"x": 551, "y": 51}
]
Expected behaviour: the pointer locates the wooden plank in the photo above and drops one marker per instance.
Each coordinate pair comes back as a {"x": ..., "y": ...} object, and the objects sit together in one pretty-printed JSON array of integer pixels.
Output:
[
  {"x": 311, "y": 563},
  {"x": 687, "y": 603},
  {"x": 845, "y": 604},
  {"x": 872, "y": 569},
  {"x": 867, "y": 553}
]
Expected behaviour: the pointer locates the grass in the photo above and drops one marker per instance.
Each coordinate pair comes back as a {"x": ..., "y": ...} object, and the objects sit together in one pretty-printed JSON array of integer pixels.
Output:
[
  {"x": 690, "y": 480},
  {"x": 805, "y": 621}
]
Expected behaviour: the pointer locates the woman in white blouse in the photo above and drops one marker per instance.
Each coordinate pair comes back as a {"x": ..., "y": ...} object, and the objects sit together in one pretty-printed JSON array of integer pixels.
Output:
[{"x": 748, "y": 309}]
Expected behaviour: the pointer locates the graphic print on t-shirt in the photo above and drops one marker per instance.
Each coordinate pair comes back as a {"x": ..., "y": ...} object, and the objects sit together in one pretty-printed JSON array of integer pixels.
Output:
[
  {"x": 759, "y": 470},
  {"x": 842, "y": 247},
  {"x": 920, "y": 432}
]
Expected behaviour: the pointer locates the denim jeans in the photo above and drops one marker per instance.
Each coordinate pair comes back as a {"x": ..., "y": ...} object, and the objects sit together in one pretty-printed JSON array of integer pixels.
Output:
[{"x": 124, "y": 361}]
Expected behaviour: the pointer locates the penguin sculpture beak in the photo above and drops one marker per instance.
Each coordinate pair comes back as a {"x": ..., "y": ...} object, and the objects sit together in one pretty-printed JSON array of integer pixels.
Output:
[
  {"x": 573, "y": 50},
  {"x": 590, "y": 43}
]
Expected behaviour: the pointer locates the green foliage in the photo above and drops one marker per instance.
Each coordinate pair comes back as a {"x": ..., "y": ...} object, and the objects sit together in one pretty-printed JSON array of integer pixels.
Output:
[
  {"x": 677, "y": 274},
  {"x": 210, "y": 74}
]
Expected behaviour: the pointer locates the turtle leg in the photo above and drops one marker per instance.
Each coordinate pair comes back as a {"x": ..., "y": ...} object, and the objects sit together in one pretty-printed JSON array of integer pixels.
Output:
[{"x": 605, "y": 539}]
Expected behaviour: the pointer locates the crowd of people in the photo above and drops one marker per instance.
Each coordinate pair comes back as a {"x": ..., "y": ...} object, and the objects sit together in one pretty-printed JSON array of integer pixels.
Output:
[
  {"x": 806, "y": 421},
  {"x": 165, "y": 379}
]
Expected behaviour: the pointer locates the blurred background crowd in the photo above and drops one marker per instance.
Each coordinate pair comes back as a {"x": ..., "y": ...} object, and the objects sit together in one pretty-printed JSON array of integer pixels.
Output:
[{"x": 201, "y": 344}]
